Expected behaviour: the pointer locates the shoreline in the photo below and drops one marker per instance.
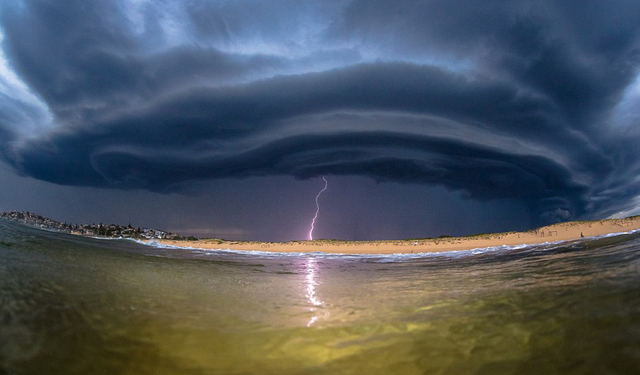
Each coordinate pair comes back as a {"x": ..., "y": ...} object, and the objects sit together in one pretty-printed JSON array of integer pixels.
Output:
[{"x": 567, "y": 231}]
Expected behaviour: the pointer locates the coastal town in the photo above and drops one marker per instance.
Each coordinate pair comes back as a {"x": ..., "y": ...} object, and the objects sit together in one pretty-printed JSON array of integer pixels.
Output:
[{"x": 92, "y": 230}]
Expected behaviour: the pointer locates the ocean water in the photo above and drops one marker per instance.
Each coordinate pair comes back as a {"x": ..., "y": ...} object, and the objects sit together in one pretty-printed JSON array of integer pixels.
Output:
[{"x": 73, "y": 305}]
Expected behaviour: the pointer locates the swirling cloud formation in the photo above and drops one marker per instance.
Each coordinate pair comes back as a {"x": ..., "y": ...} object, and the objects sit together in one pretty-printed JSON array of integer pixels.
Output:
[{"x": 536, "y": 102}]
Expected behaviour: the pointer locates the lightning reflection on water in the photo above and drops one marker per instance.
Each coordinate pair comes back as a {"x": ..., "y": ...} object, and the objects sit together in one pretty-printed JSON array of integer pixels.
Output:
[{"x": 312, "y": 298}]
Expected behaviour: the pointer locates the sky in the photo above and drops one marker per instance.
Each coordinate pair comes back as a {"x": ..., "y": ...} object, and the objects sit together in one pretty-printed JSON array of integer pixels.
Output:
[{"x": 219, "y": 118}]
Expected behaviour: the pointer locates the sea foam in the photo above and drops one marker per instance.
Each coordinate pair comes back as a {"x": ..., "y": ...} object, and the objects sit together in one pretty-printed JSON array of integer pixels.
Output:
[{"x": 400, "y": 256}]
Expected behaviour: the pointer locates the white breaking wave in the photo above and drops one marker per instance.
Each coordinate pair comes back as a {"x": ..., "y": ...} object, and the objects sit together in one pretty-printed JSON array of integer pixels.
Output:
[{"x": 380, "y": 257}]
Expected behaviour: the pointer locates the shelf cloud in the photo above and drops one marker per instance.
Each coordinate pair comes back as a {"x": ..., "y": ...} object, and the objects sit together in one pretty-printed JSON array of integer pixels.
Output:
[{"x": 494, "y": 100}]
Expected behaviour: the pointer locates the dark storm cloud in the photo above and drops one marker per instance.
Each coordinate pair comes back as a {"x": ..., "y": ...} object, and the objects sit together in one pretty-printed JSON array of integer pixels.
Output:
[
  {"x": 494, "y": 99},
  {"x": 577, "y": 56},
  {"x": 79, "y": 56},
  {"x": 238, "y": 132}
]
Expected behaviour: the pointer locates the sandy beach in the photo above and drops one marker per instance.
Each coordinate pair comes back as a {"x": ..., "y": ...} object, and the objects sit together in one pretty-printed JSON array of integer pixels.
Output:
[{"x": 558, "y": 232}]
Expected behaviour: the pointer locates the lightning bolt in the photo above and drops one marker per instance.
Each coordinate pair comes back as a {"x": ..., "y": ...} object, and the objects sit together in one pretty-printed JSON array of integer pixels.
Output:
[{"x": 313, "y": 222}]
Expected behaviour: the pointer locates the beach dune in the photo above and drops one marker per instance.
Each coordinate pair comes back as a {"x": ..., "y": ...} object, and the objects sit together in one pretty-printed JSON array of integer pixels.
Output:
[{"x": 558, "y": 232}]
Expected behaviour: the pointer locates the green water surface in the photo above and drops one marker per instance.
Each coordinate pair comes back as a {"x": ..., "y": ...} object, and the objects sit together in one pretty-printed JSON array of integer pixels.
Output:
[{"x": 72, "y": 305}]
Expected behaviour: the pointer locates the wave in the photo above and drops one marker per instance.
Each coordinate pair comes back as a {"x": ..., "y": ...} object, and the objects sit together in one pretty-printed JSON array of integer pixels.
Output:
[{"x": 383, "y": 257}]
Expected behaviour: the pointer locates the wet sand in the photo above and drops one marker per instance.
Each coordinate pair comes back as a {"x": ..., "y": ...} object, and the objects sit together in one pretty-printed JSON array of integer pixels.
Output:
[{"x": 552, "y": 233}]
